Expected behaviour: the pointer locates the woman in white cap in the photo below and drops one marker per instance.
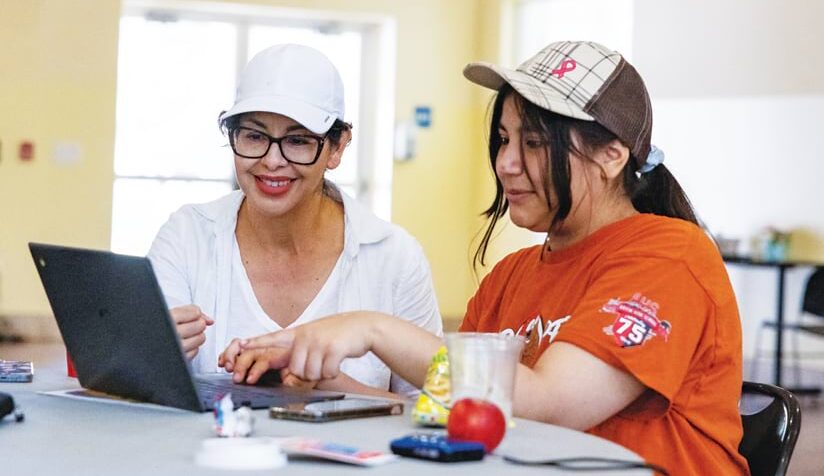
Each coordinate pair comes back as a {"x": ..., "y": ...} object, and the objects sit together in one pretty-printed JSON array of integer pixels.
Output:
[
  {"x": 289, "y": 246},
  {"x": 631, "y": 324}
]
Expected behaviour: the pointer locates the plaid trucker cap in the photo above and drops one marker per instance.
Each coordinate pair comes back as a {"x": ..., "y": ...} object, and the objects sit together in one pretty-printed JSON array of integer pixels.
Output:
[{"x": 583, "y": 80}]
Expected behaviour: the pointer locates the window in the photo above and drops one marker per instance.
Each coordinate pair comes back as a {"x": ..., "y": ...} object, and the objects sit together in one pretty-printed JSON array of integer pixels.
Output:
[
  {"x": 176, "y": 73},
  {"x": 173, "y": 80}
]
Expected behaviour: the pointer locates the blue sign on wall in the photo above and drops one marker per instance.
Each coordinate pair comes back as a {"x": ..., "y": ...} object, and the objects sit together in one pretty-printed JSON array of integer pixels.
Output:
[{"x": 423, "y": 116}]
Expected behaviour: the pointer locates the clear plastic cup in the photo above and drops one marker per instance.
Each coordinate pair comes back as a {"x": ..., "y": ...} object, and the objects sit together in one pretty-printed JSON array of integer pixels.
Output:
[{"x": 483, "y": 365}]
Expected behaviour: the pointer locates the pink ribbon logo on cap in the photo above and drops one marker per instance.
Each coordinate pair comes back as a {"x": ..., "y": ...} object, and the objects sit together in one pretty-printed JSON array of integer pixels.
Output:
[{"x": 566, "y": 67}]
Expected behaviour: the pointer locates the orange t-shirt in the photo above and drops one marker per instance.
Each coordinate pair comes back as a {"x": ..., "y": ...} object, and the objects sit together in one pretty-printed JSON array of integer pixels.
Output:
[{"x": 648, "y": 295}]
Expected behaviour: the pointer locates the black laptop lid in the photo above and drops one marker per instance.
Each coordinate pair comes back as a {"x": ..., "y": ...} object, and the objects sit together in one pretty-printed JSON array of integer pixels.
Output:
[{"x": 115, "y": 324}]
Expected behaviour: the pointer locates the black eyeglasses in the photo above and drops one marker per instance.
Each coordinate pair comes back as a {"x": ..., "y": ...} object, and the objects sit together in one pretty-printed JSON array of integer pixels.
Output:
[{"x": 301, "y": 149}]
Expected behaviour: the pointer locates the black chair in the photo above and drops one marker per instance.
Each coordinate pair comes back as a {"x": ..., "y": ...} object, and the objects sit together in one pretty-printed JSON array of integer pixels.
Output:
[
  {"x": 812, "y": 307},
  {"x": 772, "y": 420}
]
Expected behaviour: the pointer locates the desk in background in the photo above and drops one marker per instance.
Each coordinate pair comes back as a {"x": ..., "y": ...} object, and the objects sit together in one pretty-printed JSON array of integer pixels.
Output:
[
  {"x": 781, "y": 268},
  {"x": 69, "y": 437}
]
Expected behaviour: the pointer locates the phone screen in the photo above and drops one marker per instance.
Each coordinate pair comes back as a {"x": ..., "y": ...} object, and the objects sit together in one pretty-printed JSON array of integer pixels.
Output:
[{"x": 16, "y": 371}]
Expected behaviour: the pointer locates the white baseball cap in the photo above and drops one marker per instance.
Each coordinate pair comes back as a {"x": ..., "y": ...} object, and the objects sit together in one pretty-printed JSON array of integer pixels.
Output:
[{"x": 293, "y": 80}]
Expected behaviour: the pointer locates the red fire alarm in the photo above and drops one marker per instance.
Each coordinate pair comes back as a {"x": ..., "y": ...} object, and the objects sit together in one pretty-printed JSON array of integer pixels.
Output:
[{"x": 26, "y": 151}]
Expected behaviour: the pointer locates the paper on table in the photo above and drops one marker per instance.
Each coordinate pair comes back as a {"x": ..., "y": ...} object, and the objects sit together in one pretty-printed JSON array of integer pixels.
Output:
[
  {"x": 335, "y": 452},
  {"x": 100, "y": 397}
]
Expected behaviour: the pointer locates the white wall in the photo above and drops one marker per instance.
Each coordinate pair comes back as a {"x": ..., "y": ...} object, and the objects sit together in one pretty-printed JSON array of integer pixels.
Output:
[
  {"x": 747, "y": 162},
  {"x": 720, "y": 48},
  {"x": 738, "y": 95}
]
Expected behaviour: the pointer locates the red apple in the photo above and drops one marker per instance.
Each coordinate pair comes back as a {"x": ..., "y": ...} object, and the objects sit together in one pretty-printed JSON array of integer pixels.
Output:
[{"x": 472, "y": 419}]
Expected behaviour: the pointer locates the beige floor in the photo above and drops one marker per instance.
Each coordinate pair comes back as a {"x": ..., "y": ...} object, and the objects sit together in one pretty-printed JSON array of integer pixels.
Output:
[{"x": 808, "y": 459}]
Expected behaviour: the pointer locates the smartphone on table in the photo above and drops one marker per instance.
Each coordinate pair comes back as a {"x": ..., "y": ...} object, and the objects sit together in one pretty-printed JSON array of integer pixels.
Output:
[
  {"x": 330, "y": 410},
  {"x": 16, "y": 371}
]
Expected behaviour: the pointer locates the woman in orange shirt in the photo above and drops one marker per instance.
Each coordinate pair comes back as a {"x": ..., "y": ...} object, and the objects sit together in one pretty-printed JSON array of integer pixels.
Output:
[{"x": 631, "y": 324}]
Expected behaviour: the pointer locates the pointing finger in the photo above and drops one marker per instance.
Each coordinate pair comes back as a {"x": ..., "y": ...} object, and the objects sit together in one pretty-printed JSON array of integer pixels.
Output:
[{"x": 275, "y": 339}]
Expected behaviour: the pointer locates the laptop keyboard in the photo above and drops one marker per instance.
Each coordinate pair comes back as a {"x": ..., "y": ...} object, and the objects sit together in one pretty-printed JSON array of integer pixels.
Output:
[{"x": 212, "y": 390}]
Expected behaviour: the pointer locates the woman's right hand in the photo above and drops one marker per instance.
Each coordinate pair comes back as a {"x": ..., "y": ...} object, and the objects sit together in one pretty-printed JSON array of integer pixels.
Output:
[
  {"x": 314, "y": 351},
  {"x": 191, "y": 323},
  {"x": 247, "y": 366}
]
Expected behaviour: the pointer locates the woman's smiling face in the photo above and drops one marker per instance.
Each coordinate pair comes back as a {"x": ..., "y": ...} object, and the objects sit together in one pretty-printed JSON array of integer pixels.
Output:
[{"x": 272, "y": 184}]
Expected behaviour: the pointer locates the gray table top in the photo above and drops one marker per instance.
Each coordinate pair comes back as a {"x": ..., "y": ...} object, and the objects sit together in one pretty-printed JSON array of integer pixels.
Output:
[{"x": 67, "y": 436}]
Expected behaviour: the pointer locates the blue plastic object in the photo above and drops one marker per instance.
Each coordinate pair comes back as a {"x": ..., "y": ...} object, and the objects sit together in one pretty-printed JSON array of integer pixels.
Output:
[{"x": 437, "y": 447}]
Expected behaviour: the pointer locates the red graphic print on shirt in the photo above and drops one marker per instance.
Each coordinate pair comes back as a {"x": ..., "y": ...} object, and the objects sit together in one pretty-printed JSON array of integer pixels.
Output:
[{"x": 636, "y": 321}]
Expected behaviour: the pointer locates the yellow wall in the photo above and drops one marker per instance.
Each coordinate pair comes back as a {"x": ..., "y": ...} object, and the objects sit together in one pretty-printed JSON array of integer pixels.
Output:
[
  {"x": 58, "y": 83},
  {"x": 495, "y": 47}
]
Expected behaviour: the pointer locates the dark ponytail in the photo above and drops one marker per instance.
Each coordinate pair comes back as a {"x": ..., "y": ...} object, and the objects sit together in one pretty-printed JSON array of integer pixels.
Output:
[{"x": 658, "y": 192}]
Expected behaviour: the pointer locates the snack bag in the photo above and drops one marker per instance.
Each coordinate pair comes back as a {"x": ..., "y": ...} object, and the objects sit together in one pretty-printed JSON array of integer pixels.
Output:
[{"x": 432, "y": 407}]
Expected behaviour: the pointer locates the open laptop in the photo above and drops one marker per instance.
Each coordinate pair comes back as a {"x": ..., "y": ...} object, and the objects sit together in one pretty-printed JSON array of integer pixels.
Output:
[{"x": 118, "y": 330}]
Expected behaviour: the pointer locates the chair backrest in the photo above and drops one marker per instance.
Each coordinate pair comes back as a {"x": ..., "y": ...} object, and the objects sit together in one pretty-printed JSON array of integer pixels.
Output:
[
  {"x": 814, "y": 293},
  {"x": 772, "y": 420}
]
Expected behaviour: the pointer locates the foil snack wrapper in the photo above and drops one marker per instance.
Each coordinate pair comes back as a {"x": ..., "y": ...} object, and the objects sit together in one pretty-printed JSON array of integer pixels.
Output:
[{"x": 432, "y": 407}]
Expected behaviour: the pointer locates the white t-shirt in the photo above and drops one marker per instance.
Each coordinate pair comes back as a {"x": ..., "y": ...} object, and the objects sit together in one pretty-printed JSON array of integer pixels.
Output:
[
  {"x": 249, "y": 318},
  {"x": 382, "y": 268}
]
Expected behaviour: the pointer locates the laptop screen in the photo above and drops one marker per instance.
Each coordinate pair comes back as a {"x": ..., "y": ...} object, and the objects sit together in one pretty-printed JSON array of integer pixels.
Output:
[{"x": 115, "y": 324}]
